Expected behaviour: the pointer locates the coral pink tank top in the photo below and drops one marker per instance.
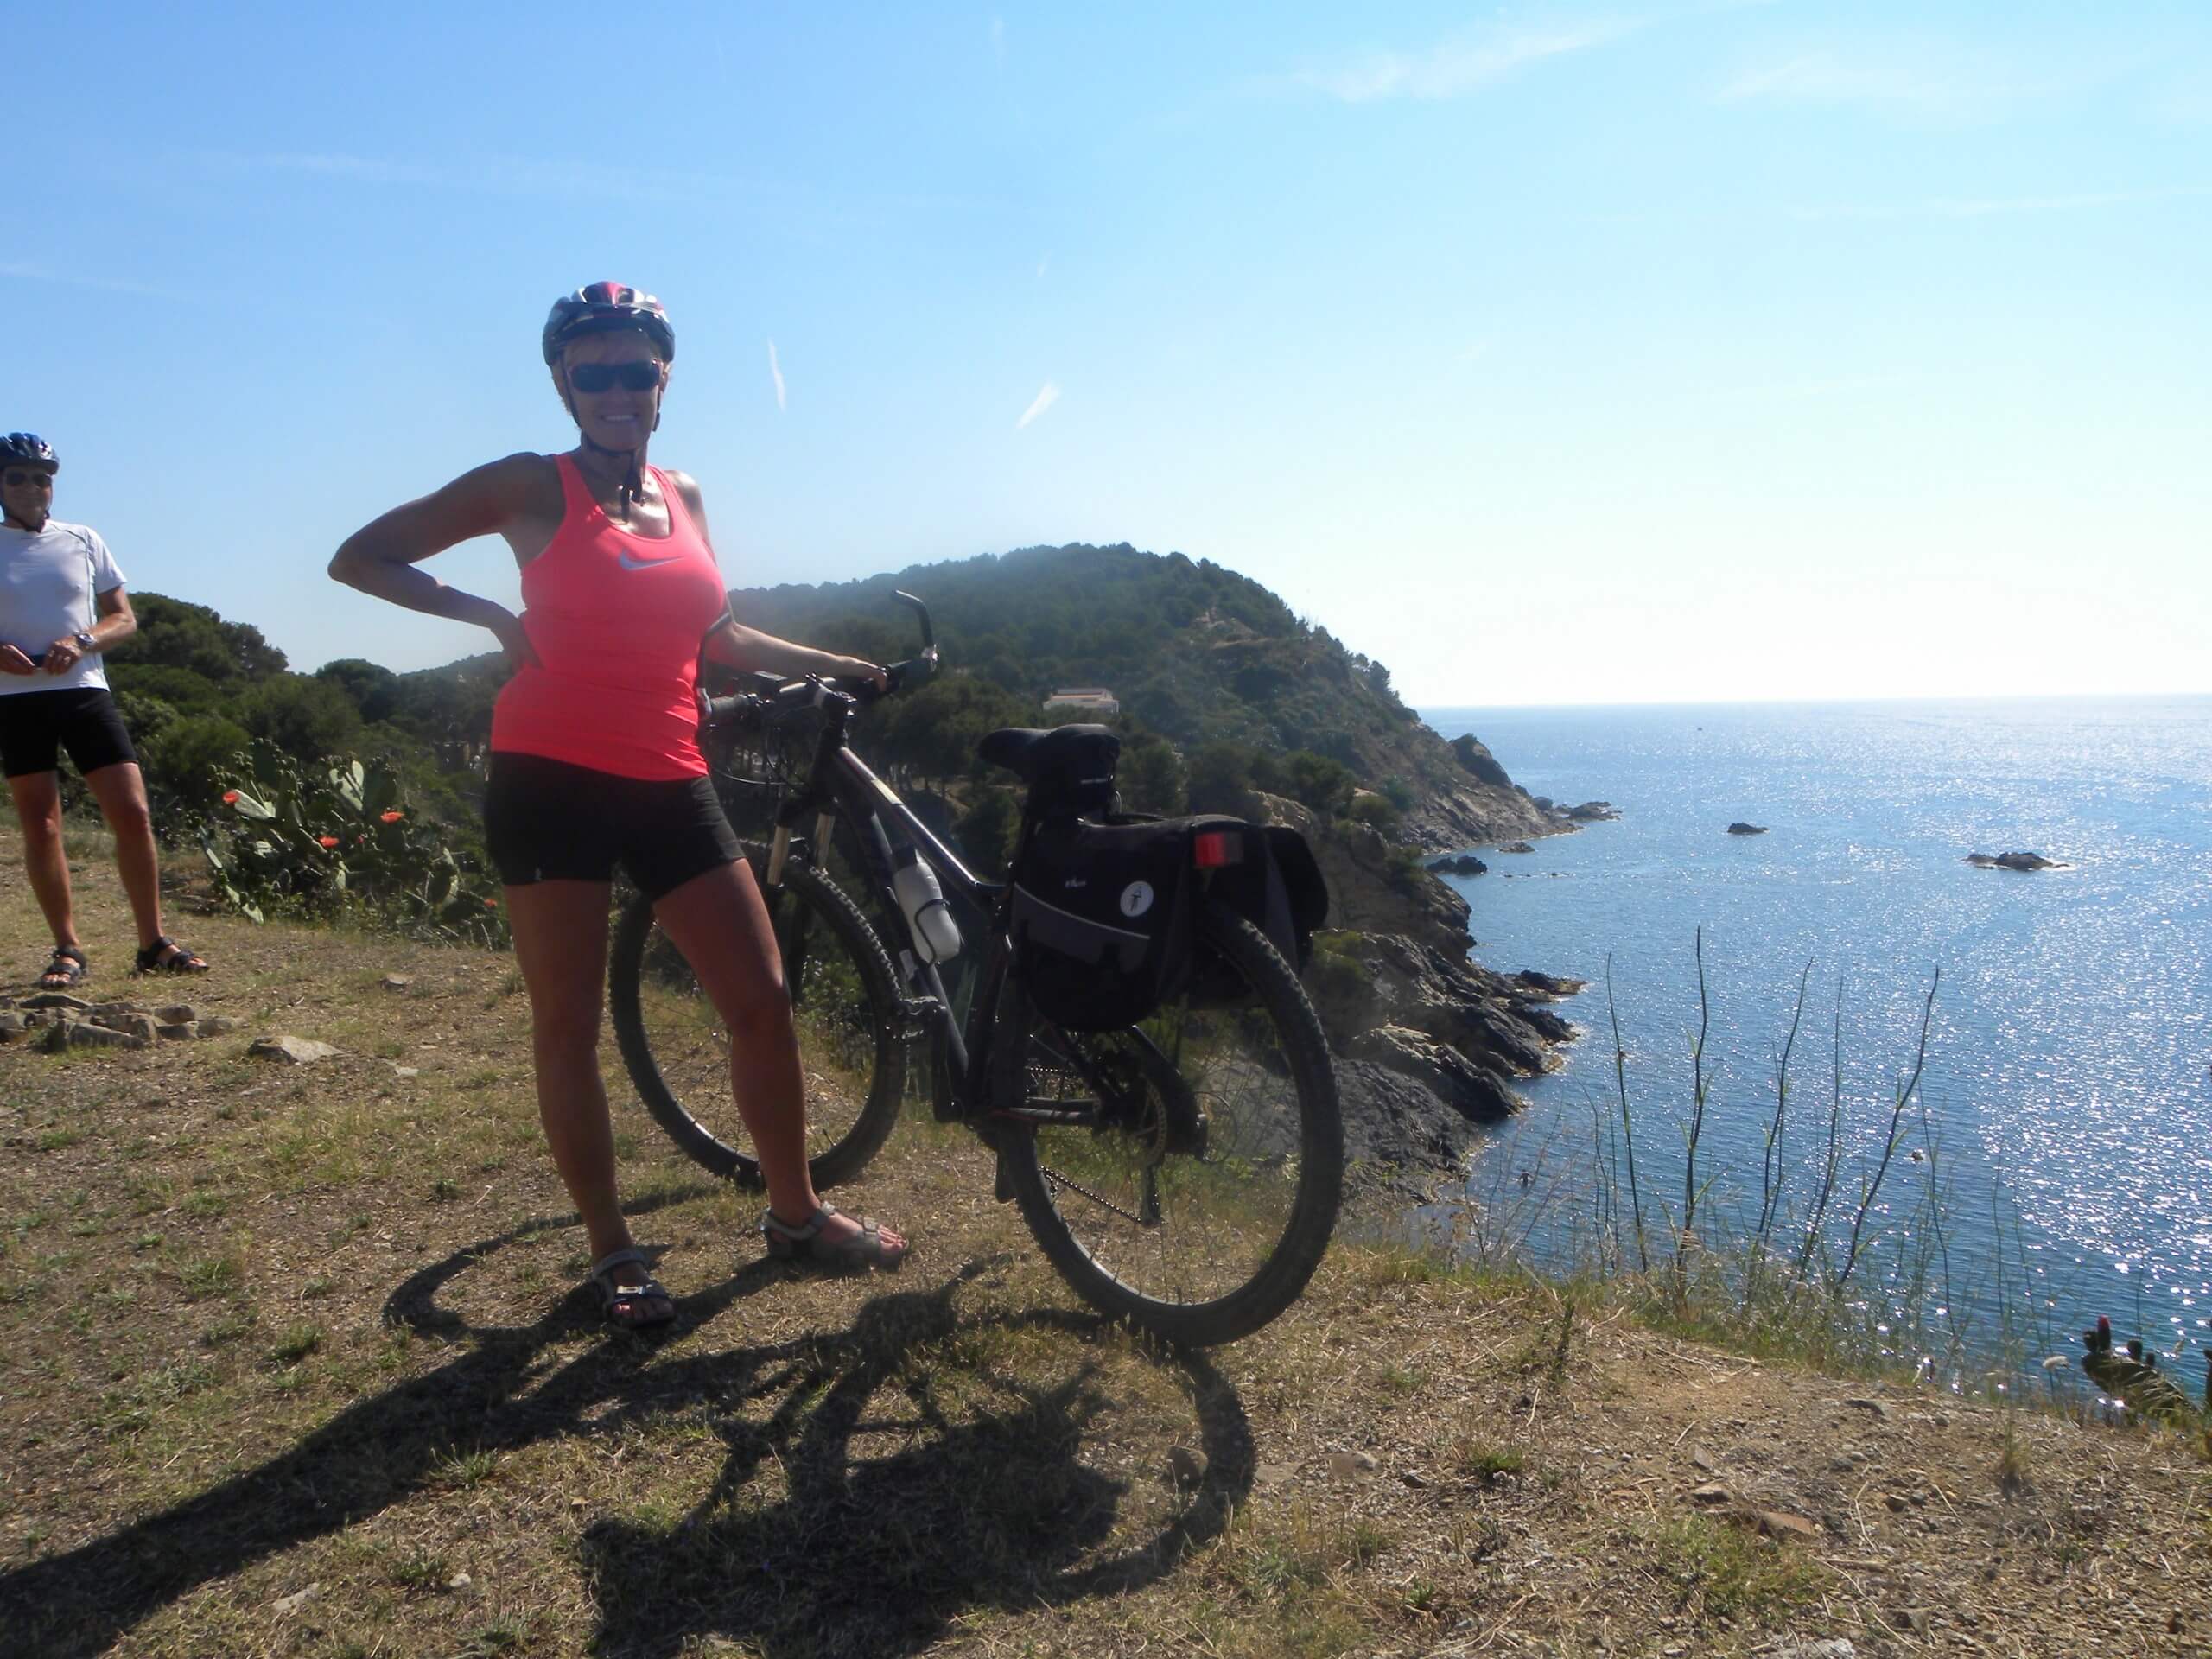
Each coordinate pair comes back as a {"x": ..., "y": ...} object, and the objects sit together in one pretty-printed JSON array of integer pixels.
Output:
[{"x": 617, "y": 620}]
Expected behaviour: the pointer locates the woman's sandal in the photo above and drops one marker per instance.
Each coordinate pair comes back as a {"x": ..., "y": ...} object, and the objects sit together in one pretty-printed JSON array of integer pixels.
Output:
[
  {"x": 855, "y": 1252},
  {"x": 178, "y": 960},
  {"x": 626, "y": 1299},
  {"x": 69, "y": 968}
]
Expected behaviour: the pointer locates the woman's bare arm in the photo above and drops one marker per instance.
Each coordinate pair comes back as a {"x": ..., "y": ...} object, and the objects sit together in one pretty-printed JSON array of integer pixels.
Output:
[{"x": 380, "y": 557}]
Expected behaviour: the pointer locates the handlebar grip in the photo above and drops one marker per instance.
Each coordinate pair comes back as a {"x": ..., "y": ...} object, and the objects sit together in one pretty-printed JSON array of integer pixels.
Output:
[{"x": 911, "y": 674}]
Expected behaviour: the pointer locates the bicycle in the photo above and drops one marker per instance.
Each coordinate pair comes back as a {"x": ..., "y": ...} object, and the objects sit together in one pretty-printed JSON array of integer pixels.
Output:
[{"x": 1183, "y": 1173}]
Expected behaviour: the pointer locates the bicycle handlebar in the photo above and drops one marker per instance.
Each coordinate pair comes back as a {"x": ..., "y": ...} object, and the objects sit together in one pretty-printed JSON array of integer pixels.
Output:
[{"x": 777, "y": 696}]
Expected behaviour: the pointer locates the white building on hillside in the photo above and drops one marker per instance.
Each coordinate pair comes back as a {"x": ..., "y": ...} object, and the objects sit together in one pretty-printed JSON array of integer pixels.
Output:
[{"x": 1082, "y": 700}]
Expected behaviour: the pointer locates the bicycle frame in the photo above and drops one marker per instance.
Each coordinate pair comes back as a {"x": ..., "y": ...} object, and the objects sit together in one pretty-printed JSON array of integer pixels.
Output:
[{"x": 840, "y": 783}]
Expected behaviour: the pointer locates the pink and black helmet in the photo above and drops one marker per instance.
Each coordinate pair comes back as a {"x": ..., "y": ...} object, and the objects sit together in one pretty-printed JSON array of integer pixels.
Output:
[{"x": 598, "y": 307}]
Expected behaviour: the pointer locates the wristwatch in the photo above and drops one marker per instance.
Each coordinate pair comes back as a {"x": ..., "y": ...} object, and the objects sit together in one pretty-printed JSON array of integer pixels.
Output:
[{"x": 84, "y": 639}]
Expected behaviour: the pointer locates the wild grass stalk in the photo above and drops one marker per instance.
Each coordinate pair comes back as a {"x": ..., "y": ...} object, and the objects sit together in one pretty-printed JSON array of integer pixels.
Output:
[
  {"x": 1685, "y": 1235},
  {"x": 1628, "y": 1134},
  {"x": 1834, "y": 1161},
  {"x": 1890, "y": 1141},
  {"x": 1774, "y": 1165}
]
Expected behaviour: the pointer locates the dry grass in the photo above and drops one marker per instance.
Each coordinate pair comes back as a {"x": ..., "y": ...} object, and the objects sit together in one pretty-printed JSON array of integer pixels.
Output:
[{"x": 263, "y": 1329}]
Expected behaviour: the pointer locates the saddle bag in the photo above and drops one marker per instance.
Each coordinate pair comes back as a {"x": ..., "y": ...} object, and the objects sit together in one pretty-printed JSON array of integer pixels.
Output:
[
  {"x": 1102, "y": 919},
  {"x": 1104, "y": 915}
]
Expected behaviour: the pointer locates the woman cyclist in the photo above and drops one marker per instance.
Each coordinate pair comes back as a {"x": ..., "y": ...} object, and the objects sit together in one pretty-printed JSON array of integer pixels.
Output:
[{"x": 596, "y": 760}]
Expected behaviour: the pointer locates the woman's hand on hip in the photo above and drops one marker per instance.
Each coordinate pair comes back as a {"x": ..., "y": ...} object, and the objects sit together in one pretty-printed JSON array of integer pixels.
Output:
[{"x": 514, "y": 639}]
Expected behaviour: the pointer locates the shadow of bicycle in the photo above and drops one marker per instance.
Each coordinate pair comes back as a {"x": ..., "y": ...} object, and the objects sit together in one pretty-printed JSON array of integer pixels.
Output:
[{"x": 877, "y": 1484}]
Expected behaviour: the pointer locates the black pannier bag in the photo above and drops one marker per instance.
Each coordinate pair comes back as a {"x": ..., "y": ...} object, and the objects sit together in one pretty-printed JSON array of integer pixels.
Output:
[
  {"x": 1102, "y": 919},
  {"x": 1104, "y": 915}
]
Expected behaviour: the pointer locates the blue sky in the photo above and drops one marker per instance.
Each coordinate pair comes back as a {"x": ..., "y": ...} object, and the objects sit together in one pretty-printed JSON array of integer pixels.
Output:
[{"x": 1546, "y": 353}]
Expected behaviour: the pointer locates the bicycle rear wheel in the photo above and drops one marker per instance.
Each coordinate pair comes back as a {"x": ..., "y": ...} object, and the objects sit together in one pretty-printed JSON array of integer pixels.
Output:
[
  {"x": 845, "y": 1006},
  {"x": 1194, "y": 1188}
]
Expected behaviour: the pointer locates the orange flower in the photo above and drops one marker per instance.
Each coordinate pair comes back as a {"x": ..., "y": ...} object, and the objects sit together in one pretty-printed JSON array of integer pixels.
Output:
[
  {"x": 327, "y": 841},
  {"x": 389, "y": 817},
  {"x": 491, "y": 904},
  {"x": 229, "y": 797}
]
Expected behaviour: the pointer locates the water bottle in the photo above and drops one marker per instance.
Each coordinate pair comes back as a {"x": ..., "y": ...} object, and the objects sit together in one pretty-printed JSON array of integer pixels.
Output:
[{"x": 937, "y": 936}]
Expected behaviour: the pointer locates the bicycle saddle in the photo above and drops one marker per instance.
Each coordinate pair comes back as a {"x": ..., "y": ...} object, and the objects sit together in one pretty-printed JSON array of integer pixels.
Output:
[{"x": 1069, "y": 754}]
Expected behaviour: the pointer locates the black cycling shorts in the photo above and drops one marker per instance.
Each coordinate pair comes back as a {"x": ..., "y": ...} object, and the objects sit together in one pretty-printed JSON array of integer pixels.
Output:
[
  {"x": 36, "y": 726},
  {"x": 549, "y": 821}
]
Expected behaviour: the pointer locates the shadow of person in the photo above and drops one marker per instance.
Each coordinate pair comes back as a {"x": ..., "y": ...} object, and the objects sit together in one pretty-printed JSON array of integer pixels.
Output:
[
  {"x": 985, "y": 1502},
  {"x": 979, "y": 1505}
]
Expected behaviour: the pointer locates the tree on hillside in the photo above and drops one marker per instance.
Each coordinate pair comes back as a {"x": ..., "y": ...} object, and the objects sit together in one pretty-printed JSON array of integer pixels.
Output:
[
  {"x": 176, "y": 634},
  {"x": 308, "y": 718},
  {"x": 372, "y": 688}
]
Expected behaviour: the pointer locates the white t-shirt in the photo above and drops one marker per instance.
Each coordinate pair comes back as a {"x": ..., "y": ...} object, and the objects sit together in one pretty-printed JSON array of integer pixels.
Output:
[{"x": 48, "y": 580}]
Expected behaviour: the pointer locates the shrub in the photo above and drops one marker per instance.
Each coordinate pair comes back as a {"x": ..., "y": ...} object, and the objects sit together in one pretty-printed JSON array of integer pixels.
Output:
[{"x": 335, "y": 835}]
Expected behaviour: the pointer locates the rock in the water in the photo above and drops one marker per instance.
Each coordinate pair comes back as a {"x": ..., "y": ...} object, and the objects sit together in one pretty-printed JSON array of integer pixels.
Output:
[
  {"x": 293, "y": 1051},
  {"x": 1740, "y": 828},
  {"x": 1517, "y": 846},
  {"x": 1594, "y": 812},
  {"x": 2013, "y": 862},
  {"x": 1459, "y": 864}
]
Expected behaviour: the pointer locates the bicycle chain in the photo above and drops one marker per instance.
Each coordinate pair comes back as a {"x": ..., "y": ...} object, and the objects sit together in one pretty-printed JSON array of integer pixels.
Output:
[{"x": 1104, "y": 1202}]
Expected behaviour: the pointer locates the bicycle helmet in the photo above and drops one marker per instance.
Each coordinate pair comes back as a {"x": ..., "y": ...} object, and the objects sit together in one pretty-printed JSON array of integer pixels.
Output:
[
  {"x": 598, "y": 307},
  {"x": 23, "y": 448}
]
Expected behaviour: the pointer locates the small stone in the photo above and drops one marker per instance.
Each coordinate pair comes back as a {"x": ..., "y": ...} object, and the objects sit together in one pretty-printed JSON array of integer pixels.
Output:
[
  {"x": 1414, "y": 1478},
  {"x": 1713, "y": 1492},
  {"x": 68, "y": 1034},
  {"x": 1350, "y": 1465},
  {"x": 461, "y": 1583},
  {"x": 1897, "y": 1505},
  {"x": 297, "y": 1599},
  {"x": 177, "y": 1014},
  {"x": 215, "y": 1025},
  {"x": 1782, "y": 1526},
  {"x": 1700, "y": 1461},
  {"x": 12, "y": 1025},
  {"x": 1881, "y": 1412},
  {"x": 56, "y": 1000},
  {"x": 1185, "y": 1467},
  {"x": 181, "y": 1032},
  {"x": 396, "y": 982},
  {"x": 292, "y": 1050},
  {"x": 403, "y": 1072},
  {"x": 138, "y": 1025}
]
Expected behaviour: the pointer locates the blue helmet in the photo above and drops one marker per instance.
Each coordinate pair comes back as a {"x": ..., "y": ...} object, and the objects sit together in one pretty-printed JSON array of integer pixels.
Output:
[{"x": 28, "y": 447}]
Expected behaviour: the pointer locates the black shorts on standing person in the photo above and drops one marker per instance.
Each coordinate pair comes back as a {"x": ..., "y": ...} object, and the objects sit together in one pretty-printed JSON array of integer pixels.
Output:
[{"x": 61, "y": 604}]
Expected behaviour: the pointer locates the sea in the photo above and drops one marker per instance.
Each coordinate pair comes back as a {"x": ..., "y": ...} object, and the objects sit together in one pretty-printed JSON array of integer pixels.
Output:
[{"x": 2063, "y": 1114}]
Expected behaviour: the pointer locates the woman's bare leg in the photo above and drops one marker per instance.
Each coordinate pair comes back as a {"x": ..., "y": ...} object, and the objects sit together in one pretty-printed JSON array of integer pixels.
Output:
[
  {"x": 560, "y": 936},
  {"x": 720, "y": 923}
]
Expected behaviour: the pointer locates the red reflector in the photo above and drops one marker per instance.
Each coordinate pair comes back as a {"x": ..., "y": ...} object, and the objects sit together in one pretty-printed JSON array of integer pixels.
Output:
[{"x": 1212, "y": 848}]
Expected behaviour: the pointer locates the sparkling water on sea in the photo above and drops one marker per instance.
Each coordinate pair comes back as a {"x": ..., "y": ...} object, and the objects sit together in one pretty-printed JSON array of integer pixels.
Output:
[{"x": 2069, "y": 1076}]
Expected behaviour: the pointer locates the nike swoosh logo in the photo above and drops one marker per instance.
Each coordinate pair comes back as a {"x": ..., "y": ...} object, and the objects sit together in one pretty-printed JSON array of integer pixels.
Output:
[{"x": 628, "y": 563}]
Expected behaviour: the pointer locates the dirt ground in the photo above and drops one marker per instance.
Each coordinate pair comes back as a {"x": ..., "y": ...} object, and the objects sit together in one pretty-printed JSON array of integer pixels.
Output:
[{"x": 295, "y": 1362}]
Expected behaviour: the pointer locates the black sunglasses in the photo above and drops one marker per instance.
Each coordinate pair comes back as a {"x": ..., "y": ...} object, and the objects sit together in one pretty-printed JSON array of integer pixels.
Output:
[
  {"x": 29, "y": 474},
  {"x": 642, "y": 375}
]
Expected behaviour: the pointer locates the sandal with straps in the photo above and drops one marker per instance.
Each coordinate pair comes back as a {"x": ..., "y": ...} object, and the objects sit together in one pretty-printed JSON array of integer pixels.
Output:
[
  {"x": 67, "y": 968},
  {"x": 626, "y": 1299},
  {"x": 178, "y": 960},
  {"x": 853, "y": 1252}
]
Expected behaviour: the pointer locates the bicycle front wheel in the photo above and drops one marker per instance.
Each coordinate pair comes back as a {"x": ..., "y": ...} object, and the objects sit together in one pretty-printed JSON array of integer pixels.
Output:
[
  {"x": 1194, "y": 1186},
  {"x": 845, "y": 1008}
]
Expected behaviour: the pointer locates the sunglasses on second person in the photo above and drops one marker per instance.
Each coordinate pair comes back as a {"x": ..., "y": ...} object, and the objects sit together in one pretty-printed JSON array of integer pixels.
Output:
[
  {"x": 642, "y": 375},
  {"x": 16, "y": 477}
]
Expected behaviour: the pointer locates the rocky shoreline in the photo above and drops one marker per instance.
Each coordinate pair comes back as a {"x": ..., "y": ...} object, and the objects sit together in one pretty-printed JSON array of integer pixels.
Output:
[{"x": 1429, "y": 1043}]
